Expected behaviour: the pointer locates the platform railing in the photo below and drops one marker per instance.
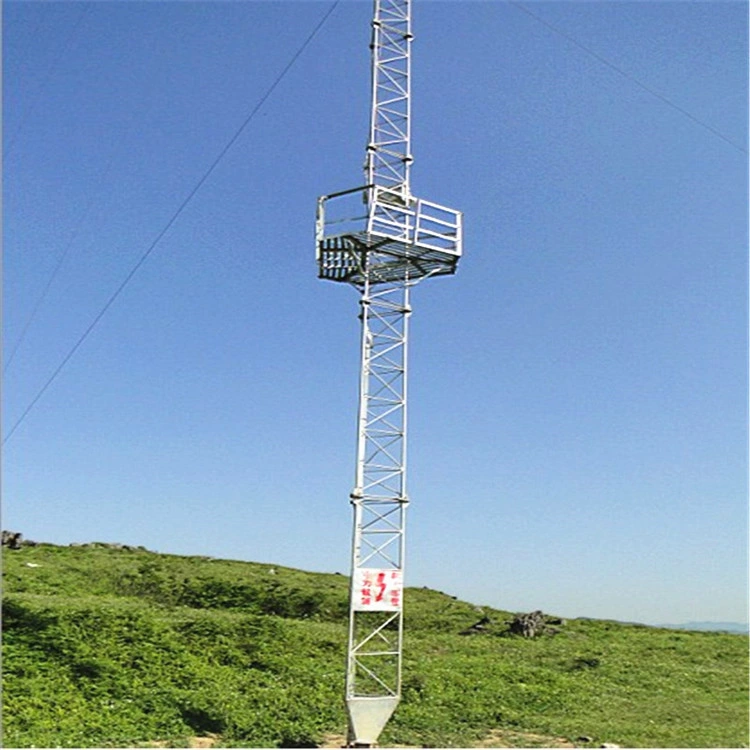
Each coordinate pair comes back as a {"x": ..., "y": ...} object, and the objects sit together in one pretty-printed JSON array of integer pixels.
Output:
[{"x": 381, "y": 212}]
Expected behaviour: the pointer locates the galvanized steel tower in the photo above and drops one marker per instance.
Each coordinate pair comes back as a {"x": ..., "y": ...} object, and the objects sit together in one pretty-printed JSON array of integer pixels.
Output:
[{"x": 383, "y": 241}]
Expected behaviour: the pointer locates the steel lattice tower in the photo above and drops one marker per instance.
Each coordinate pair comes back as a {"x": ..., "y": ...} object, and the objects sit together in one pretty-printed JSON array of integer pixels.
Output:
[{"x": 382, "y": 240}]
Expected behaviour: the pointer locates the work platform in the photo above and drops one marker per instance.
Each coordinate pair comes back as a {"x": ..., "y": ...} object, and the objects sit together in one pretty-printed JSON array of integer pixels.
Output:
[{"x": 376, "y": 233}]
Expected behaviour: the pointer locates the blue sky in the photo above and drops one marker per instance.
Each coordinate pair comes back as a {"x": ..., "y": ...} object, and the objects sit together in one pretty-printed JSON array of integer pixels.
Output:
[{"x": 578, "y": 391}]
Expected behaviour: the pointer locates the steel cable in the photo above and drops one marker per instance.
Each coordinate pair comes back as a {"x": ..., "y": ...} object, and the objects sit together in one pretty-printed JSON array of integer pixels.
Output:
[
  {"x": 627, "y": 75},
  {"x": 144, "y": 257}
]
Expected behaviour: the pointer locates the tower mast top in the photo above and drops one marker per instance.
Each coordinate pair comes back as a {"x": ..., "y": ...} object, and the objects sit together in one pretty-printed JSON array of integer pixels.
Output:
[{"x": 389, "y": 148}]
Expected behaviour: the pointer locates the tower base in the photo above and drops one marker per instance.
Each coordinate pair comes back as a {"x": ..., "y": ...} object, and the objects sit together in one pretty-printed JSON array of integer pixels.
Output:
[{"x": 367, "y": 717}]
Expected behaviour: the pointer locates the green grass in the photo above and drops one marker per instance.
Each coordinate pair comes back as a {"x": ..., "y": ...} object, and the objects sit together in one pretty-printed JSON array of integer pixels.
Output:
[{"x": 114, "y": 648}]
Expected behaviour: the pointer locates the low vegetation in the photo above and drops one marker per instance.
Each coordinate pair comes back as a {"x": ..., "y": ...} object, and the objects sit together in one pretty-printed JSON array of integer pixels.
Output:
[{"x": 108, "y": 647}]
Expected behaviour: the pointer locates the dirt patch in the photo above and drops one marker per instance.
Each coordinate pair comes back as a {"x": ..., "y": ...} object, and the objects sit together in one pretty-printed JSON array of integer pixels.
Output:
[
  {"x": 207, "y": 740},
  {"x": 333, "y": 740},
  {"x": 496, "y": 738},
  {"x": 509, "y": 738},
  {"x": 339, "y": 741}
]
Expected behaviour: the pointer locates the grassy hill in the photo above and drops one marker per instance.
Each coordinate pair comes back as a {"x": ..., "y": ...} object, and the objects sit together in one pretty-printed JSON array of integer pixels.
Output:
[{"x": 108, "y": 647}]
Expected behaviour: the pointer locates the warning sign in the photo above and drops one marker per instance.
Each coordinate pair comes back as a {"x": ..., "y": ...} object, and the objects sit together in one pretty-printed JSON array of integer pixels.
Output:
[{"x": 378, "y": 590}]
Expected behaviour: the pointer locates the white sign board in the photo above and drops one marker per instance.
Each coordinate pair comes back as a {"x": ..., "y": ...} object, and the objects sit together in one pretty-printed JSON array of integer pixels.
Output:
[{"x": 378, "y": 590}]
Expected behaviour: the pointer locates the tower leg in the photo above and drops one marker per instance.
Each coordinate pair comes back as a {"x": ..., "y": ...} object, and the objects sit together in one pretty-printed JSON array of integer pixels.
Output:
[{"x": 379, "y": 500}]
